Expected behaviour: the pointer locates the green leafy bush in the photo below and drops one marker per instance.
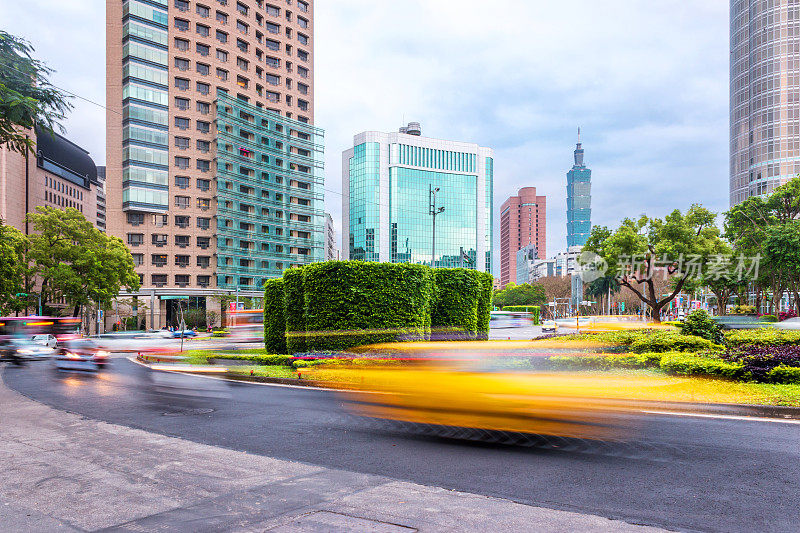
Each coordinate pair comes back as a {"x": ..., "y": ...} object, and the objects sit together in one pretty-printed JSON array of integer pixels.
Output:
[
  {"x": 696, "y": 365},
  {"x": 274, "y": 318},
  {"x": 700, "y": 324},
  {"x": 220, "y": 333},
  {"x": 486, "y": 281},
  {"x": 294, "y": 309},
  {"x": 761, "y": 337},
  {"x": 267, "y": 359},
  {"x": 744, "y": 310},
  {"x": 768, "y": 318},
  {"x": 607, "y": 362},
  {"x": 667, "y": 341},
  {"x": 784, "y": 374},
  {"x": 351, "y": 303},
  {"x": 456, "y": 303}
]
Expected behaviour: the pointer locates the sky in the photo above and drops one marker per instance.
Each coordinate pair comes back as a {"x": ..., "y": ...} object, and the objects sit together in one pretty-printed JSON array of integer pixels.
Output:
[{"x": 647, "y": 82}]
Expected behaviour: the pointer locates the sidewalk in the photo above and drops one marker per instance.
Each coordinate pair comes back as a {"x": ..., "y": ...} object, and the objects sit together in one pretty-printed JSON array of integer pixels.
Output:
[{"x": 62, "y": 472}]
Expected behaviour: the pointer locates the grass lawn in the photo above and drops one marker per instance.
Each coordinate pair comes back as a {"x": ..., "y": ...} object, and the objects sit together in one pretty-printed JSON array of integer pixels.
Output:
[{"x": 268, "y": 371}]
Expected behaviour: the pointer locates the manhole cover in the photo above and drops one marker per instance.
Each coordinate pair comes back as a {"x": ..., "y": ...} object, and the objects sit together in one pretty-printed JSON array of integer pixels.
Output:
[{"x": 188, "y": 412}]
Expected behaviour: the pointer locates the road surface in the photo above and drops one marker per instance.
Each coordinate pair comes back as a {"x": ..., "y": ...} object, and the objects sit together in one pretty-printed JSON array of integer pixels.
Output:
[{"x": 709, "y": 474}]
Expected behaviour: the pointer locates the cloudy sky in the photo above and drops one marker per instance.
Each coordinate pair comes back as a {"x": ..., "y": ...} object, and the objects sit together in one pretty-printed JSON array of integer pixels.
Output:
[{"x": 646, "y": 81}]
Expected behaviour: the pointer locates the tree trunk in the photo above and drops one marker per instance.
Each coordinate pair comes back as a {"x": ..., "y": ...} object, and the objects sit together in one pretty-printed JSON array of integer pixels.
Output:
[{"x": 76, "y": 311}]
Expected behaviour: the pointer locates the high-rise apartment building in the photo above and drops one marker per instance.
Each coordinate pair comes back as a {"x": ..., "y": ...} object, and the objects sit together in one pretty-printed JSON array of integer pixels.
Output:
[
  {"x": 388, "y": 183},
  {"x": 213, "y": 166},
  {"x": 764, "y": 96},
  {"x": 579, "y": 200},
  {"x": 330, "y": 239},
  {"x": 523, "y": 222}
]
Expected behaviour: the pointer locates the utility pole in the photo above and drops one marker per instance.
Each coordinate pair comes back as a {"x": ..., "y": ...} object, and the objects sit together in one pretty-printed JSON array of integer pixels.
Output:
[{"x": 433, "y": 212}]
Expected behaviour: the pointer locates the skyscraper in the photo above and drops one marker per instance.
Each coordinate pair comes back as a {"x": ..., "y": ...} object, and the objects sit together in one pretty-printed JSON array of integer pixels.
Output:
[
  {"x": 523, "y": 222},
  {"x": 764, "y": 101},
  {"x": 392, "y": 182},
  {"x": 214, "y": 170},
  {"x": 579, "y": 200}
]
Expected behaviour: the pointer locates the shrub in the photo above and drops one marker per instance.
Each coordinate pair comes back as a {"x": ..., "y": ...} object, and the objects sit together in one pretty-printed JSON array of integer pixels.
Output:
[
  {"x": 266, "y": 359},
  {"x": 607, "y": 362},
  {"x": 274, "y": 317},
  {"x": 486, "y": 281},
  {"x": 768, "y": 318},
  {"x": 744, "y": 310},
  {"x": 700, "y": 324},
  {"x": 456, "y": 303},
  {"x": 695, "y": 365},
  {"x": 783, "y": 315},
  {"x": 195, "y": 318},
  {"x": 759, "y": 361},
  {"x": 351, "y": 303},
  {"x": 220, "y": 333},
  {"x": 761, "y": 337},
  {"x": 294, "y": 309},
  {"x": 784, "y": 374},
  {"x": 667, "y": 341}
]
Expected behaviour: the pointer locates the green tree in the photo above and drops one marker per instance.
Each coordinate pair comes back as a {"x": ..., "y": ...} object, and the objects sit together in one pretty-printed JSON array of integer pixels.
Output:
[
  {"x": 77, "y": 262},
  {"x": 525, "y": 294},
  {"x": 26, "y": 95},
  {"x": 640, "y": 251},
  {"x": 13, "y": 247},
  {"x": 602, "y": 288}
]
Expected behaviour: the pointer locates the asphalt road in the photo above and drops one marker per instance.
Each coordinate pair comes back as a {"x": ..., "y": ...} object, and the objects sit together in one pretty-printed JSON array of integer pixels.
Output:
[{"x": 694, "y": 474}]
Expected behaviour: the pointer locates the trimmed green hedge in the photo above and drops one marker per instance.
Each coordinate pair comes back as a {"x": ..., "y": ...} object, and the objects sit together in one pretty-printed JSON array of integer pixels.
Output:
[
  {"x": 682, "y": 364},
  {"x": 667, "y": 341},
  {"x": 761, "y": 337},
  {"x": 534, "y": 310},
  {"x": 274, "y": 317},
  {"x": 294, "y": 309},
  {"x": 486, "y": 281},
  {"x": 351, "y": 303},
  {"x": 456, "y": 308}
]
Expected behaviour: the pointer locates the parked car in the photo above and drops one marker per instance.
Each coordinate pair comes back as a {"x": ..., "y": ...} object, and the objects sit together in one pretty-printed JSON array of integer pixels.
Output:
[
  {"x": 81, "y": 354},
  {"x": 45, "y": 340}
]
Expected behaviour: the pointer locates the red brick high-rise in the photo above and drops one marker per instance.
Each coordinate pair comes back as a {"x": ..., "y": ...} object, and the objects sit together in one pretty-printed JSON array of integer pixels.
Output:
[{"x": 523, "y": 221}]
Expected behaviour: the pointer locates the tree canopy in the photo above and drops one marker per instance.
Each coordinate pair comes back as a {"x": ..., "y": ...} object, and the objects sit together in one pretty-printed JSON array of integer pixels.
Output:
[
  {"x": 525, "y": 294},
  {"x": 26, "y": 95}
]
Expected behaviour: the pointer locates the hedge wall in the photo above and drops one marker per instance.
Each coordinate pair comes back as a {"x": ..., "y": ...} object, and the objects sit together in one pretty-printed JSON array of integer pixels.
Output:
[
  {"x": 351, "y": 303},
  {"x": 455, "y": 312},
  {"x": 274, "y": 318},
  {"x": 534, "y": 310},
  {"x": 294, "y": 309},
  {"x": 486, "y": 281}
]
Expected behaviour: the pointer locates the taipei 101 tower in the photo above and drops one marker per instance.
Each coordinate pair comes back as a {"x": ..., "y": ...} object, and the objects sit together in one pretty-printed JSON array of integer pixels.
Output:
[{"x": 579, "y": 200}]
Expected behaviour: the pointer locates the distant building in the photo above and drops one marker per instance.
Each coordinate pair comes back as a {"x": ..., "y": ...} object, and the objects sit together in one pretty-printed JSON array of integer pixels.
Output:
[
  {"x": 388, "y": 184},
  {"x": 101, "y": 199},
  {"x": 579, "y": 200},
  {"x": 523, "y": 222},
  {"x": 59, "y": 174},
  {"x": 525, "y": 260},
  {"x": 331, "y": 252},
  {"x": 566, "y": 263}
]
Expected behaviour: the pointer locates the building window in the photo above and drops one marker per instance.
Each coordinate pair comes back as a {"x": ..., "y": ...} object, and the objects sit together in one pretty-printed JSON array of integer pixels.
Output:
[
  {"x": 202, "y": 30},
  {"x": 182, "y": 103},
  {"x": 182, "y": 280},
  {"x": 160, "y": 221},
  {"x": 203, "y": 11},
  {"x": 158, "y": 260},
  {"x": 222, "y": 17},
  {"x": 182, "y": 25},
  {"x": 203, "y": 281},
  {"x": 272, "y": 96},
  {"x": 203, "y": 184},
  {"x": 135, "y": 239},
  {"x": 302, "y": 55},
  {"x": 303, "y": 72},
  {"x": 181, "y": 44},
  {"x": 203, "y": 69},
  {"x": 273, "y": 62},
  {"x": 182, "y": 123},
  {"x": 222, "y": 36},
  {"x": 135, "y": 219},
  {"x": 242, "y": 27},
  {"x": 203, "y": 242},
  {"x": 181, "y": 241},
  {"x": 242, "y": 63},
  {"x": 222, "y": 74},
  {"x": 204, "y": 204},
  {"x": 203, "y": 126},
  {"x": 303, "y": 23},
  {"x": 242, "y": 82},
  {"x": 272, "y": 45},
  {"x": 182, "y": 182},
  {"x": 302, "y": 104},
  {"x": 302, "y": 88},
  {"x": 222, "y": 55},
  {"x": 182, "y": 162},
  {"x": 202, "y": 49},
  {"x": 273, "y": 28},
  {"x": 203, "y": 165},
  {"x": 303, "y": 6},
  {"x": 182, "y": 5},
  {"x": 182, "y": 84},
  {"x": 182, "y": 261},
  {"x": 138, "y": 259},
  {"x": 272, "y": 79},
  {"x": 203, "y": 146},
  {"x": 203, "y": 261},
  {"x": 241, "y": 8},
  {"x": 181, "y": 64},
  {"x": 182, "y": 202},
  {"x": 159, "y": 280},
  {"x": 273, "y": 11},
  {"x": 182, "y": 142},
  {"x": 204, "y": 108},
  {"x": 302, "y": 38},
  {"x": 203, "y": 88},
  {"x": 159, "y": 239},
  {"x": 203, "y": 222}
]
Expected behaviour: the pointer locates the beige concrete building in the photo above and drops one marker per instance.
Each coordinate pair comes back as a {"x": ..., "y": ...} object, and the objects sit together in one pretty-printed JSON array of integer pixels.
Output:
[
  {"x": 213, "y": 164},
  {"x": 60, "y": 174}
]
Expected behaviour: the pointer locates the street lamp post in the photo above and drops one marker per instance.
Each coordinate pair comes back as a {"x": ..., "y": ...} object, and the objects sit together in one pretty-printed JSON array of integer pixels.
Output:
[{"x": 433, "y": 212}]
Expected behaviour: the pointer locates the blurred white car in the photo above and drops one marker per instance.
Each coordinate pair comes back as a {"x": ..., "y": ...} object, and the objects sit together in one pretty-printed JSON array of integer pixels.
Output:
[
  {"x": 549, "y": 326},
  {"x": 789, "y": 323},
  {"x": 45, "y": 340}
]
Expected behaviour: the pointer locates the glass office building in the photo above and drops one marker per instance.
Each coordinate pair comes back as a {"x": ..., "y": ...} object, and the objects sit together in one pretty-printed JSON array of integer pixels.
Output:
[
  {"x": 764, "y": 96},
  {"x": 579, "y": 200},
  {"x": 388, "y": 182}
]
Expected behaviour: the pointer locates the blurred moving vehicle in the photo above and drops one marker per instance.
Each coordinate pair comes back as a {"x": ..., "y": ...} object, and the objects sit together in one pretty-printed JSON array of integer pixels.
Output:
[
  {"x": 789, "y": 323},
  {"x": 21, "y": 349},
  {"x": 549, "y": 326},
  {"x": 186, "y": 333},
  {"x": 508, "y": 319},
  {"x": 45, "y": 339},
  {"x": 134, "y": 341},
  {"x": 81, "y": 354},
  {"x": 246, "y": 326}
]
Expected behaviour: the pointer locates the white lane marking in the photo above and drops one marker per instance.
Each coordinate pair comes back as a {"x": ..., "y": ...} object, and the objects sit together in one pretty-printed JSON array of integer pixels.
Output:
[{"x": 726, "y": 417}]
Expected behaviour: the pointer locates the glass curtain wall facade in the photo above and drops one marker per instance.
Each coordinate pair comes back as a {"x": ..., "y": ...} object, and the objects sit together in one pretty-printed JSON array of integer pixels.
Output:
[
  {"x": 145, "y": 106},
  {"x": 579, "y": 201},
  {"x": 269, "y": 194},
  {"x": 764, "y": 96},
  {"x": 388, "y": 180}
]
